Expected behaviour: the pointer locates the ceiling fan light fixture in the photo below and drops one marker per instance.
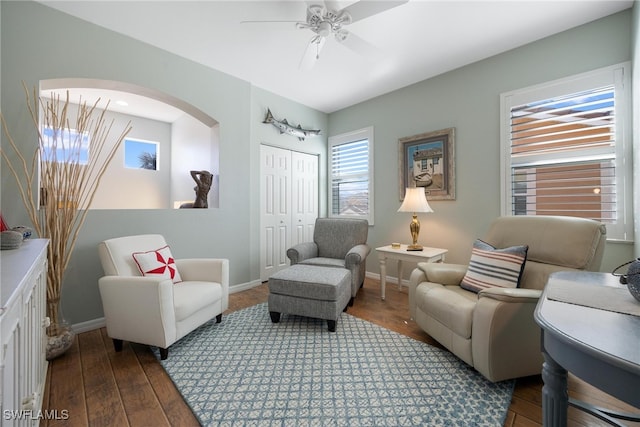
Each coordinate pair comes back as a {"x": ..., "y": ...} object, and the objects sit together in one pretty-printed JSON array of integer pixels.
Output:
[
  {"x": 315, "y": 14},
  {"x": 324, "y": 21},
  {"x": 343, "y": 19},
  {"x": 341, "y": 35},
  {"x": 324, "y": 28}
]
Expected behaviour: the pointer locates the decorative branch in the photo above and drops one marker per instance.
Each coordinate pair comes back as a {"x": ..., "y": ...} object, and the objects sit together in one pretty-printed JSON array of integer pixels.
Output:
[{"x": 67, "y": 184}]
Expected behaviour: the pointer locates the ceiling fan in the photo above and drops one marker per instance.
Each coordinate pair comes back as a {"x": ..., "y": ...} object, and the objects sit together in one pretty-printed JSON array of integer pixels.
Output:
[{"x": 329, "y": 19}]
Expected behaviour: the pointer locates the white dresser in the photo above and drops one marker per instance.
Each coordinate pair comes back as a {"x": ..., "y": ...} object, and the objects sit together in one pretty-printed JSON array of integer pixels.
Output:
[{"x": 23, "y": 321}]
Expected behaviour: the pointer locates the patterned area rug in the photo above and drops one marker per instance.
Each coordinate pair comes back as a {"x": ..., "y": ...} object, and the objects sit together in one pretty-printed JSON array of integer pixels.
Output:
[{"x": 249, "y": 371}]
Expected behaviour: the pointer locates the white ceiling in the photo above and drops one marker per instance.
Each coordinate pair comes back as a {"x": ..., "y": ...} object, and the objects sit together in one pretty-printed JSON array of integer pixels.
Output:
[{"x": 415, "y": 41}]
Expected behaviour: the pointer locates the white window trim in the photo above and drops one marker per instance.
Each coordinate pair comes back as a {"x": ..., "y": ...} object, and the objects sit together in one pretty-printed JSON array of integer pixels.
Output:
[
  {"x": 145, "y": 141},
  {"x": 357, "y": 135},
  {"x": 66, "y": 139},
  {"x": 620, "y": 76}
]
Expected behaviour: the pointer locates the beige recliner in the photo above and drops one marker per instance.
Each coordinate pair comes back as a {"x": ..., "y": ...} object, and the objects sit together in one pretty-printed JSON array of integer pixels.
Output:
[{"x": 494, "y": 330}]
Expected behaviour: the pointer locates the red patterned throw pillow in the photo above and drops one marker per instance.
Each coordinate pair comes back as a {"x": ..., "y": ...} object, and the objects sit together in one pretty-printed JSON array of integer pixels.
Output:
[{"x": 157, "y": 263}]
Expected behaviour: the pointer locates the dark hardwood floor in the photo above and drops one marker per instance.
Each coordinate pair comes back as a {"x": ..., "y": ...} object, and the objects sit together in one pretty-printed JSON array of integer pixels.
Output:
[{"x": 97, "y": 387}]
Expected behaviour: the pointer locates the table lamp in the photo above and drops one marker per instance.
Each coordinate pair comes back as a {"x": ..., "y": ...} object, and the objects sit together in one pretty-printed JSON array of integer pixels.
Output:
[{"x": 415, "y": 201}]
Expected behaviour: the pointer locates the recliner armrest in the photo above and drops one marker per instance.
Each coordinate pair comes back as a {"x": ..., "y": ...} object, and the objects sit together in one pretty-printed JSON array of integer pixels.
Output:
[
  {"x": 443, "y": 273},
  {"x": 516, "y": 295},
  {"x": 302, "y": 251},
  {"x": 506, "y": 338},
  {"x": 356, "y": 255}
]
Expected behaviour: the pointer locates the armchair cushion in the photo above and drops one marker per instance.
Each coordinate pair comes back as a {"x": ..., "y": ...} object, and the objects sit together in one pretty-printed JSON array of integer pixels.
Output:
[
  {"x": 325, "y": 262},
  {"x": 449, "y": 305},
  {"x": 189, "y": 297},
  {"x": 490, "y": 267},
  {"x": 158, "y": 263}
]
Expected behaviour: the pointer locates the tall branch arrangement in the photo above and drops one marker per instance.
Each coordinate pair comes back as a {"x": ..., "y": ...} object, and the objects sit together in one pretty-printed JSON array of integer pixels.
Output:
[{"x": 72, "y": 155}]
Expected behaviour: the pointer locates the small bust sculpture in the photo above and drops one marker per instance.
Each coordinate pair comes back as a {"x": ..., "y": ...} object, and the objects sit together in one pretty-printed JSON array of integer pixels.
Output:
[{"x": 203, "y": 180}]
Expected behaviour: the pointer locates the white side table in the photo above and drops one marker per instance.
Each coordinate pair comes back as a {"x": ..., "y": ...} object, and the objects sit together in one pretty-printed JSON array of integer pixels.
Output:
[{"x": 402, "y": 254}]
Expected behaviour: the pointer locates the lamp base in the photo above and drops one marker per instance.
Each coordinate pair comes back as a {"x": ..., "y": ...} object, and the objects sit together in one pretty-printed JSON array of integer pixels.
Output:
[{"x": 414, "y": 248}]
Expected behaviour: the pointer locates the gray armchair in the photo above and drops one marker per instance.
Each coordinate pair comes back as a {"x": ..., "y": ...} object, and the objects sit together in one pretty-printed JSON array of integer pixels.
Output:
[{"x": 336, "y": 243}]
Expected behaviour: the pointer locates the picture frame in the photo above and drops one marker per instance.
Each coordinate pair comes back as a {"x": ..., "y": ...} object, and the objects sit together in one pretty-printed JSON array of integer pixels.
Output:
[{"x": 428, "y": 160}]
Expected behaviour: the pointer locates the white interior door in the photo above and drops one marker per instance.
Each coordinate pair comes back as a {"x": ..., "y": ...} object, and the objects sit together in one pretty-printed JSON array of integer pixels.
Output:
[
  {"x": 288, "y": 204},
  {"x": 304, "y": 196},
  {"x": 275, "y": 208}
]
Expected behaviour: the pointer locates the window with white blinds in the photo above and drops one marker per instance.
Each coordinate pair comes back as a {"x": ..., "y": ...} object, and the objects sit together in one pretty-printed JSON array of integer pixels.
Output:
[
  {"x": 564, "y": 147},
  {"x": 351, "y": 175}
]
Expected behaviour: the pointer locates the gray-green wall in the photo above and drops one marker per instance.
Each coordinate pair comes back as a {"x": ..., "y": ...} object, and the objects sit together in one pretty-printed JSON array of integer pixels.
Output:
[
  {"x": 635, "y": 58},
  {"x": 40, "y": 43},
  {"x": 469, "y": 100}
]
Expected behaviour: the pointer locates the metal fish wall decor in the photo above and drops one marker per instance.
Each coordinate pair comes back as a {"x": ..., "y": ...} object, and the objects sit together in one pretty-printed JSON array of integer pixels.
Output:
[{"x": 284, "y": 127}]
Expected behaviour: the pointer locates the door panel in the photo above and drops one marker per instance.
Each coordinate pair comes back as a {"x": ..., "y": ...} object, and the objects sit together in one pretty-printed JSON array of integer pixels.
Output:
[
  {"x": 288, "y": 204},
  {"x": 275, "y": 217},
  {"x": 305, "y": 183}
]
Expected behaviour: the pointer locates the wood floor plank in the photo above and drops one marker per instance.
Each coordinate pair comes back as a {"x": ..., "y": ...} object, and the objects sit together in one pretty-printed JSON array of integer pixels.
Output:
[
  {"x": 510, "y": 419},
  {"x": 104, "y": 404},
  {"x": 65, "y": 395},
  {"x": 138, "y": 397},
  {"x": 176, "y": 410},
  {"x": 583, "y": 391},
  {"x": 522, "y": 421},
  {"x": 526, "y": 408},
  {"x": 101, "y": 380}
]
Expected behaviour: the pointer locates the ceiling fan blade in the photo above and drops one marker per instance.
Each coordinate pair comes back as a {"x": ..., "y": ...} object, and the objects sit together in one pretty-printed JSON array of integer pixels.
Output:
[
  {"x": 312, "y": 53},
  {"x": 361, "y": 47},
  {"x": 269, "y": 22},
  {"x": 332, "y": 5},
  {"x": 364, "y": 9}
]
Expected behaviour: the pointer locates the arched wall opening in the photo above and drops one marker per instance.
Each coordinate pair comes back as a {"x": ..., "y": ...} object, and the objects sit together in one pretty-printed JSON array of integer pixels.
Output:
[{"x": 178, "y": 137}]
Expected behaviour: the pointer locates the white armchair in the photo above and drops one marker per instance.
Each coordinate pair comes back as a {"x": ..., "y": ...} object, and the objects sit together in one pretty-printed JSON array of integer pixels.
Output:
[{"x": 152, "y": 310}]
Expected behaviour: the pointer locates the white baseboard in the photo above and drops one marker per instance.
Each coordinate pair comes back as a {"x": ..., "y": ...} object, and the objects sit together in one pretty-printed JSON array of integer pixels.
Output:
[
  {"x": 376, "y": 276},
  {"x": 89, "y": 325},
  {"x": 100, "y": 322},
  {"x": 244, "y": 286}
]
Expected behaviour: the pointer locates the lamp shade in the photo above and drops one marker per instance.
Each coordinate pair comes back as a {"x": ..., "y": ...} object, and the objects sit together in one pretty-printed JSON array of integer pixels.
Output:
[{"x": 415, "y": 201}]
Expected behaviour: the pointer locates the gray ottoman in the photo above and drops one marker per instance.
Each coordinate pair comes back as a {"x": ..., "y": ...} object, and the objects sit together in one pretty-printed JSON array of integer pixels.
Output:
[{"x": 310, "y": 290}]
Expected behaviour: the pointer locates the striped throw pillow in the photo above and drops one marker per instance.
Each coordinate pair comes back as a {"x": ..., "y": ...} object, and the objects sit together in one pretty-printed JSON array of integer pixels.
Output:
[{"x": 490, "y": 267}]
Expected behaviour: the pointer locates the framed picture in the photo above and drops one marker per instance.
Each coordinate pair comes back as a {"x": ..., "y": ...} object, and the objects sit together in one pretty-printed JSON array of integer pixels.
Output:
[{"x": 427, "y": 160}]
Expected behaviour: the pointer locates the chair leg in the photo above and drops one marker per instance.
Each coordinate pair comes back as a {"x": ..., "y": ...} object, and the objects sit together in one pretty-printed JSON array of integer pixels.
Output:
[
  {"x": 164, "y": 353},
  {"x": 275, "y": 316},
  {"x": 117, "y": 344},
  {"x": 219, "y": 318},
  {"x": 332, "y": 325}
]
